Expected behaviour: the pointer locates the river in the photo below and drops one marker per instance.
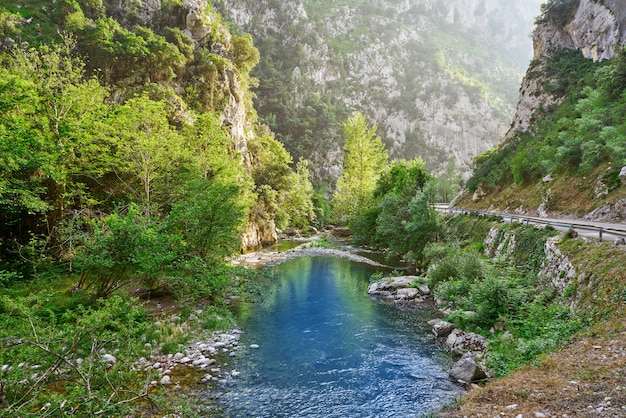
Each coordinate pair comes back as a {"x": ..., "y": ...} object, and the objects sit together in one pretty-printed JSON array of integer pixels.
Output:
[{"x": 326, "y": 349}]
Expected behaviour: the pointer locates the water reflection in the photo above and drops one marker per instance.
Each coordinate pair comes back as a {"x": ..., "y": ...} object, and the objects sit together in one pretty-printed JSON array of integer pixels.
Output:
[{"x": 327, "y": 350}]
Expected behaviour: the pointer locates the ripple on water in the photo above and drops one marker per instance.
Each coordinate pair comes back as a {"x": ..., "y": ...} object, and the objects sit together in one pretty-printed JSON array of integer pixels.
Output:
[{"x": 328, "y": 350}]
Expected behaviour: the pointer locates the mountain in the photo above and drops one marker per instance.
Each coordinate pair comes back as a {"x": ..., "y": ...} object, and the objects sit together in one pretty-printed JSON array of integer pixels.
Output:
[
  {"x": 564, "y": 152},
  {"x": 177, "y": 56},
  {"x": 440, "y": 80}
]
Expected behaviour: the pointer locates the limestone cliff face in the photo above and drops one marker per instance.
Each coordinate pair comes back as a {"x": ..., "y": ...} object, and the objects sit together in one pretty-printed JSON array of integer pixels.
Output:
[
  {"x": 439, "y": 80},
  {"x": 204, "y": 27},
  {"x": 595, "y": 28}
]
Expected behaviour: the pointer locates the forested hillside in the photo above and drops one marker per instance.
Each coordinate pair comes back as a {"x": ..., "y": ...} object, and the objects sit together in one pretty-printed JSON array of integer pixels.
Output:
[
  {"x": 132, "y": 164},
  {"x": 439, "y": 80},
  {"x": 567, "y": 143},
  {"x": 107, "y": 106}
]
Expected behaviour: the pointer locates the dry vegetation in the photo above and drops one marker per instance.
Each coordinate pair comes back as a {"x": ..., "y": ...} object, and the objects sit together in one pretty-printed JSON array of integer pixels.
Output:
[
  {"x": 566, "y": 196},
  {"x": 587, "y": 379}
]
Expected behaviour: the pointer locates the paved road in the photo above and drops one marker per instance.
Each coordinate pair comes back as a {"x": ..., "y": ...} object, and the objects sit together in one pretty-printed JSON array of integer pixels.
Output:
[{"x": 598, "y": 230}]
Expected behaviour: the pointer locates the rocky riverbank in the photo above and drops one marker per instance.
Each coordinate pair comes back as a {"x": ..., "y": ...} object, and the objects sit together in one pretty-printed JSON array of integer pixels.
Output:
[
  {"x": 262, "y": 258},
  {"x": 202, "y": 355},
  {"x": 468, "y": 345}
]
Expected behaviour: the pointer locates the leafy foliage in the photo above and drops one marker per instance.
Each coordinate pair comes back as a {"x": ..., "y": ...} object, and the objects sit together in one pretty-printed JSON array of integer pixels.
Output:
[
  {"x": 364, "y": 160},
  {"x": 503, "y": 293},
  {"x": 587, "y": 130}
]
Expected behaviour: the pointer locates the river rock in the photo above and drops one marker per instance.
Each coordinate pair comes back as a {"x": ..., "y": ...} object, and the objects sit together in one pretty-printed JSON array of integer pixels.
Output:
[
  {"x": 424, "y": 289},
  {"x": 432, "y": 322},
  {"x": 166, "y": 380},
  {"x": 451, "y": 339},
  {"x": 467, "y": 370},
  {"x": 408, "y": 293},
  {"x": 442, "y": 329},
  {"x": 395, "y": 288},
  {"x": 461, "y": 342}
]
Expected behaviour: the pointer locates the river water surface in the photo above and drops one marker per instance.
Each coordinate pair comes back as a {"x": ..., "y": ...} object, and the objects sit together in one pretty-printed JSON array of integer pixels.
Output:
[{"x": 326, "y": 349}]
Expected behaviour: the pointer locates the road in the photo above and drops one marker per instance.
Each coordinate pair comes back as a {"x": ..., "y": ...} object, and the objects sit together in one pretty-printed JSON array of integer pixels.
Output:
[{"x": 598, "y": 230}]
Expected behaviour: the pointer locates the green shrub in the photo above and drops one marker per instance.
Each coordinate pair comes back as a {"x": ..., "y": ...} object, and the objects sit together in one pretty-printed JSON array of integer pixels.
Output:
[{"x": 214, "y": 319}]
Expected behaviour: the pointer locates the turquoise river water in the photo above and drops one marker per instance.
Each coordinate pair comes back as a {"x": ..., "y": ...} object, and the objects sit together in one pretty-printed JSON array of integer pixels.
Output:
[{"x": 326, "y": 349}]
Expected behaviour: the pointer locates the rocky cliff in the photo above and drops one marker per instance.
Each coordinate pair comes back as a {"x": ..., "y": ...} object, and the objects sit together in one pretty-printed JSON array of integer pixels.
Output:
[
  {"x": 222, "y": 86},
  {"x": 439, "y": 80},
  {"x": 594, "y": 28}
]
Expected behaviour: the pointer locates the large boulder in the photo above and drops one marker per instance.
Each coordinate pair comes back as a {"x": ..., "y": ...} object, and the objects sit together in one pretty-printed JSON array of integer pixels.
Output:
[
  {"x": 468, "y": 370},
  {"x": 442, "y": 329},
  {"x": 396, "y": 288}
]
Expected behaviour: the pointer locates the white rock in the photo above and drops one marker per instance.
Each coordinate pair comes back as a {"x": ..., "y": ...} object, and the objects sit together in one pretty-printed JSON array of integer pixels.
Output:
[
  {"x": 254, "y": 346},
  {"x": 199, "y": 362},
  {"x": 166, "y": 380},
  {"x": 109, "y": 358},
  {"x": 184, "y": 360},
  {"x": 178, "y": 356}
]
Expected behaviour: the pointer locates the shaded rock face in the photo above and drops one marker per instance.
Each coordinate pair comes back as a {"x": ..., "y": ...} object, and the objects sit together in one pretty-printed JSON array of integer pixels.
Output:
[
  {"x": 557, "y": 267},
  {"x": 611, "y": 212},
  {"x": 258, "y": 235},
  {"x": 427, "y": 99},
  {"x": 597, "y": 29}
]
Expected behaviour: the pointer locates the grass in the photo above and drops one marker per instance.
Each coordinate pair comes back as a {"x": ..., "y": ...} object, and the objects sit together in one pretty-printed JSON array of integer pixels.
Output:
[{"x": 565, "y": 195}]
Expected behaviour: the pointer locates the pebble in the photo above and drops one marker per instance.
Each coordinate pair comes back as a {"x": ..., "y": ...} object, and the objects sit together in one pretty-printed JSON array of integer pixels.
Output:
[
  {"x": 194, "y": 356},
  {"x": 254, "y": 346}
]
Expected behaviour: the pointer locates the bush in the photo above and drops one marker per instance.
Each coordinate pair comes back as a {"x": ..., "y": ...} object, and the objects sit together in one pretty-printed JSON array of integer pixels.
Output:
[{"x": 45, "y": 350}]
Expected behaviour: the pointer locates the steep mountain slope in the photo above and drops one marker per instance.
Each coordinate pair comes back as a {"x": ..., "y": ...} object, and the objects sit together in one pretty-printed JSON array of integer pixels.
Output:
[
  {"x": 439, "y": 80},
  {"x": 567, "y": 142},
  {"x": 175, "y": 52}
]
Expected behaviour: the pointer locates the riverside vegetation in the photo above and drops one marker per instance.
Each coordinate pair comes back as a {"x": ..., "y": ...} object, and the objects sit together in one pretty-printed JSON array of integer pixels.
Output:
[
  {"x": 131, "y": 165},
  {"x": 125, "y": 180}
]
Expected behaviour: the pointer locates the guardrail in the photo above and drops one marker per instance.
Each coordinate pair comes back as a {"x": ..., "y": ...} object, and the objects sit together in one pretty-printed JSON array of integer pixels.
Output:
[{"x": 601, "y": 231}]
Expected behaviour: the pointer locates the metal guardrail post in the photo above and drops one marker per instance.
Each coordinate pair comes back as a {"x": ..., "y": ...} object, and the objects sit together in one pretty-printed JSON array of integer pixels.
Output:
[{"x": 600, "y": 229}]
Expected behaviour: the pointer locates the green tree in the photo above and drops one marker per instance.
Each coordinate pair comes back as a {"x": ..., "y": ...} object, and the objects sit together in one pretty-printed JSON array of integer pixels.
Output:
[
  {"x": 212, "y": 150},
  {"x": 151, "y": 152},
  {"x": 209, "y": 217},
  {"x": 400, "y": 193},
  {"x": 298, "y": 202},
  {"x": 123, "y": 246},
  {"x": 364, "y": 160},
  {"x": 448, "y": 182}
]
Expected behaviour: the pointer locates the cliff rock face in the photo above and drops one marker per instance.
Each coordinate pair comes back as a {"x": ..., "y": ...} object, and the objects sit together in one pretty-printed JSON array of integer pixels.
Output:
[
  {"x": 204, "y": 27},
  {"x": 595, "y": 28},
  {"x": 440, "y": 81}
]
